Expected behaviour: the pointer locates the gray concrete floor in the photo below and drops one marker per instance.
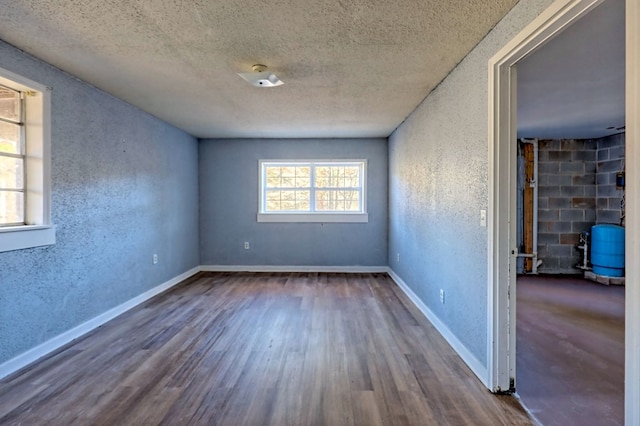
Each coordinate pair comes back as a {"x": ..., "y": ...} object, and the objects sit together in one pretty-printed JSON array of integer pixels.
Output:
[{"x": 570, "y": 350}]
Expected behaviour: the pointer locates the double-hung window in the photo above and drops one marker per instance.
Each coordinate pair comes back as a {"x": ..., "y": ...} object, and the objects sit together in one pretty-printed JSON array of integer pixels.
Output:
[
  {"x": 25, "y": 121},
  {"x": 313, "y": 191},
  {"x": 12, "y": 157}
]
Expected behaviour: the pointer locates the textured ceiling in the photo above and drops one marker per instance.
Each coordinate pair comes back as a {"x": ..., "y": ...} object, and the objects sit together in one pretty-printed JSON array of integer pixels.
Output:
[
  {"x": 573, "y": 86},
  {"x": 352, "y": 68}
]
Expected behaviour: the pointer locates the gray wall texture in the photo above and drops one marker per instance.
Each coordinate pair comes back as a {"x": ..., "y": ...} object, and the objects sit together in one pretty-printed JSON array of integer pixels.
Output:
[
  {"x": 566, "y": 201},
  {"x": 438, "y": 182},
  {"x": 124, "y": 186},
  {"x": 577, "y": 189},
  {"x": 610, "y": 161},
  {"x": 229, "y": 205}
]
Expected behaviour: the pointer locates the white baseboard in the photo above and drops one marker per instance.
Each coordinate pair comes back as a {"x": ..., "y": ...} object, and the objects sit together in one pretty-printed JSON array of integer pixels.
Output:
[
  {"x": 270, "y": 268},
  {"x": 476, "y": 366},
  {"x": 60, "y": 340}
]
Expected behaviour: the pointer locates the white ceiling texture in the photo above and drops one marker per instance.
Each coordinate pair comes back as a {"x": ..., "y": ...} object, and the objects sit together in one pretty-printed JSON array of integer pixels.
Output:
[{"x": 351, "y": 68}]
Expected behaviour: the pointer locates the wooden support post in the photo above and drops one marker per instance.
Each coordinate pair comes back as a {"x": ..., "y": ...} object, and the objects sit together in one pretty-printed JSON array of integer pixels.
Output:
[{"x": 528, "y": 205}]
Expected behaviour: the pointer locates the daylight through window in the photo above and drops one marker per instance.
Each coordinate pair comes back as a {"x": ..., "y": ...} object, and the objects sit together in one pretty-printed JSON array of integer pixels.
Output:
[
  {"x": 12, "y": 157},
  {"x": 312, "y": 191},
  {"x": 25, "y": 159}
]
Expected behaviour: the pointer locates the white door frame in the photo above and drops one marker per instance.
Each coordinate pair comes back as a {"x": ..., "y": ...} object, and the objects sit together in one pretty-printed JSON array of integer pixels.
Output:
[
  {"x": 632, "y": 221},
  {"x": 502, "y": 195}
]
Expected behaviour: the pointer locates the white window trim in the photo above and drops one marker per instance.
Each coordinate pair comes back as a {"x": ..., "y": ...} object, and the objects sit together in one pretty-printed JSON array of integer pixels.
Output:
[
  {"x": 38, "y": 230},
  {"x": 312, "y": 217},
  {"x": 26, "y": 236}
]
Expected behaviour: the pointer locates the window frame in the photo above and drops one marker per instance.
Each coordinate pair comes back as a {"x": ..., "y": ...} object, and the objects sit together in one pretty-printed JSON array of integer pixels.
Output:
[
  {"x": 361, "y": 216},
  {"x": 21, "y": 155},
  {"x": 37, "y": 229}
]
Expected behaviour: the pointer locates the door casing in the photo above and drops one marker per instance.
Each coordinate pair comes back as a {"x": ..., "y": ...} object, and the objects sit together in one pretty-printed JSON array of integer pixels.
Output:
[{"x": 502, "y": 215}]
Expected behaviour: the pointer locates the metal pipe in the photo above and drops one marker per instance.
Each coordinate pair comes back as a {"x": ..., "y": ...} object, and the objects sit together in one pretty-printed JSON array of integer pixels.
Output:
[
  {"x": 584, "y": 246},
  {"x": 528, "y": 255}
]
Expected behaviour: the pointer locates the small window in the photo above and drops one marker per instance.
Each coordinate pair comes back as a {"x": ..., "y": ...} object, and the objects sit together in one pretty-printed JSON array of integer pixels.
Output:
[
  {"x": 313, "y": 191},
  {"x": 25, "y": 121}
]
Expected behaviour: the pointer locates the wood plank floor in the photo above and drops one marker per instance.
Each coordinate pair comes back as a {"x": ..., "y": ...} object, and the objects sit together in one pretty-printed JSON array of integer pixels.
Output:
[
  {"x": 570, "y": 350},
  {"x": 260, "y": 349}
]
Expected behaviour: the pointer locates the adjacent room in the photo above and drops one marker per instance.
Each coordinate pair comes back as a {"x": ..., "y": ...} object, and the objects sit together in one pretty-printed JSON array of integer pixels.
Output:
[
  {"x": 275, "y": 213},
  {"x": 570, "y": 305}
]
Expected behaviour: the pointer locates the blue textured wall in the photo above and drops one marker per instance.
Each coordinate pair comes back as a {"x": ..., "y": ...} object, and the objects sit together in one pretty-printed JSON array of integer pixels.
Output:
[
  {"x": 438, "y": 183},
  {"x": 229, "y": 204},
  {"x": 124, "y": 186}
]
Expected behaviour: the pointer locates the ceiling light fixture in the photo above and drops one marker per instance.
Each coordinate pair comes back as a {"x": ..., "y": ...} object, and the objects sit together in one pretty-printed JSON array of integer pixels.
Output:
[{"x": 261, "y": 77}]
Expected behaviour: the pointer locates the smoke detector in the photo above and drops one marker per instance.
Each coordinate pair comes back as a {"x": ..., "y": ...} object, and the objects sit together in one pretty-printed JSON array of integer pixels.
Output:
[{"x": 261, "y": 77}]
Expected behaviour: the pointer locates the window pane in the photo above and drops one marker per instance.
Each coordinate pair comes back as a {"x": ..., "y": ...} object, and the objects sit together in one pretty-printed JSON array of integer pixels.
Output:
[
  {"x": 338, "y": 201},
  {"x": 11, "y": 173},
  {"x": 288, "y": 195},
  {"x": 325, "y": 200},
  {"x": 10, "y": 138},
  {"x": 11, "y": 207},
  {"x": 337, "y": 177},
  {"x": 9, "y": 104},
  {"x": 288, "y": 205},
  {"x": 287, "y": 201},
  {"x": 288, "y": 171},
  {"x": 273, "y": 182},
  {"x": 273, "y": 196},
  {"x": 352, "y": 201},
  {"x": 288, "y": 182},
  {"x": 272, "y": 201},
  {"x": 336, "y": 187},
  {"x": 287, "y": 177},
  {"x": 303, "y": 201},
  {"x": 303, "y": 182},
  {"x": 322, "y": 182},
  {"x": 352, "y": 177}
]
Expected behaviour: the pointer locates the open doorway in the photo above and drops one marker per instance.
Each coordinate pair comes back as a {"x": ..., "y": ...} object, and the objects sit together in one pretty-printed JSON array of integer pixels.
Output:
[
  {"x": 503, "y": 244},
  {"x": 570, "y": 165}
]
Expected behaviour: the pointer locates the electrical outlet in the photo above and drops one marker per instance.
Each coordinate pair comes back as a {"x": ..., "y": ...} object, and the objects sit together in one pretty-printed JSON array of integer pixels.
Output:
[
  {"x": 483, "y": 218},
  {"x": 441, "y": 296},
  {"x": 246, "y": 245},
  {"x": 398, "y": 258},
  {"x": 155, "y": 258}
]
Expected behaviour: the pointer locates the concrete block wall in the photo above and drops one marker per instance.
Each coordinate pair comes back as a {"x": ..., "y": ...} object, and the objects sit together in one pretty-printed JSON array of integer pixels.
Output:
[
  {"x": 576, "y": 189},
  {"x": 610, "y": 160},
  {"x": 567, "y": 194}
]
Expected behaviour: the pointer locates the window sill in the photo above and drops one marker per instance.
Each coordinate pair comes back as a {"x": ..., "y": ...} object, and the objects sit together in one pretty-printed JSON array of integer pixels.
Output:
[
  {"x": 28, "y": 236},
  {"x": 314, "y": 217}
]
